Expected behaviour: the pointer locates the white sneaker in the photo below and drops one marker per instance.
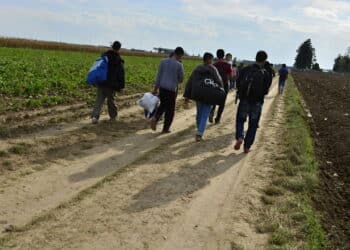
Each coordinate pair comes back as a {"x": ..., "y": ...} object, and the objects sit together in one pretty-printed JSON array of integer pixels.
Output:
[{"x": 94, "y": 120}]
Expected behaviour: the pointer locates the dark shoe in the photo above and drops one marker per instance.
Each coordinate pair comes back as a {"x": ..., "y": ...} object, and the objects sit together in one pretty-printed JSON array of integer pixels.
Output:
[
  {"x": 166, "y": 132},
  {"x": 199, "y": 138},
  {"x": 94, "y": 120},
  {"x": 246, "y": 150},
  {"x": 154, "y": 124},
  {"x": 217, "y": 121},
  {"x": 238, "y": 144},
  {"x": 211, "y": 120}
]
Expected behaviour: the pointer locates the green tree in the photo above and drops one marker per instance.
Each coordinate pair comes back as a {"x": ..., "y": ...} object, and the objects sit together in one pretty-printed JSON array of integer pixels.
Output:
[
  {"x": 342, "y": 62},
  {"x": 316, "y": 67},
  {"x": 305, "y": 56}
]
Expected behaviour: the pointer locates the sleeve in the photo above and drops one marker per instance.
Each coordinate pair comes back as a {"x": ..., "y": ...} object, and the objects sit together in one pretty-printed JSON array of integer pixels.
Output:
[
  {"x": 267, "y": 82},
  {"x": 241, "y": 76},
  {"x": 159, "y": 74},
  {"x": 121, "y": 75},
  {"x": 188, "y": 88},
  {"x": 180, "y": 73}
]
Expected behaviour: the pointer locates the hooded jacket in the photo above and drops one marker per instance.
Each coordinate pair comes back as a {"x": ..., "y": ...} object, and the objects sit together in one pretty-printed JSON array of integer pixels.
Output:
[
  {"x": 197, "y": 74},
  {"x": 116, "y": 72}
]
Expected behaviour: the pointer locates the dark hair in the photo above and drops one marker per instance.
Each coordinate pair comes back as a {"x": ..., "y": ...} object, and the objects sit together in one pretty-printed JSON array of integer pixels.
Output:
[
  {"x": 116, "y": 45},
  {"x": 284, "y": 66},
  {"x": 261, "y": 56},
  {"x": 234, "y": 65},
  {"x": 220, "y": 53},
  {"x": 207, "y": 56},
  {"x": 228, "y": 54},
  {"x": 179, "y": 51}
]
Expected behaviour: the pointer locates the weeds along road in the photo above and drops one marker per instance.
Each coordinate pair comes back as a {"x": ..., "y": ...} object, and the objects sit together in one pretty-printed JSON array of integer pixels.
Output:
[{"x": 121, "y": 186}]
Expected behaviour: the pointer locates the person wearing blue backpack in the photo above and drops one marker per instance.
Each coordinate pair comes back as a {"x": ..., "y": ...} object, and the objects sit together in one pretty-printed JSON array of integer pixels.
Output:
[{"x": 115, "y": 82}]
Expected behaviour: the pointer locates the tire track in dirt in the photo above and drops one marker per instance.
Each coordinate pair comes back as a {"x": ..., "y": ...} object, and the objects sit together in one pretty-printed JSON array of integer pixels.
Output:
[{"x": 171, "y": 199}]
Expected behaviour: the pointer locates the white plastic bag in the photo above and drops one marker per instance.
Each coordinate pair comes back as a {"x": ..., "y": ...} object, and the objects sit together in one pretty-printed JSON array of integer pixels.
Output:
[{"x": 148, "y": 102}]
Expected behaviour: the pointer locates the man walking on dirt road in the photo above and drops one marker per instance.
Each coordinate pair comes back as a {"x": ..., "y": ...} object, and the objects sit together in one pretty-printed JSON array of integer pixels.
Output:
[
  {"x": 253, "y": 84},
  {"x": 170, "y": 74},
  {"x": 115, "y": 82},
  {"x": 205, "y": 70},
  {"x": 283, "y": 76},
  {"x": 226, "y": 74}
]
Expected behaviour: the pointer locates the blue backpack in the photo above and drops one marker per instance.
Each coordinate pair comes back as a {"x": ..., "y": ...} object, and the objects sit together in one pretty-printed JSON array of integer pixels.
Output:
[{"x": 98, "y": 72}]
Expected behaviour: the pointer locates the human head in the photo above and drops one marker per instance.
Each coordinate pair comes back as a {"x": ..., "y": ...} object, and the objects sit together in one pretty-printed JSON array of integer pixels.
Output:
[
  {"x": 116, "y": 46},
  {"x": 208, "y": 58},
  {"x": 228, "y": 57},
  {"x": 284, "y": 66},
  {"x": 179, "y": 53},
  {"x": 261, "y": 57},
  {"x": 220, "y": 53}
]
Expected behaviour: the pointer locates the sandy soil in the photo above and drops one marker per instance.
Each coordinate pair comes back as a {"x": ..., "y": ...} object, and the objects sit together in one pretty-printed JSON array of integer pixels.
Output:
[{"x": 136, "y": 189}]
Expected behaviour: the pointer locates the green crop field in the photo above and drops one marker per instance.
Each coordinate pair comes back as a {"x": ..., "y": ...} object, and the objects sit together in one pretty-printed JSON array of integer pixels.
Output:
[{"x": 31, "y": 78}]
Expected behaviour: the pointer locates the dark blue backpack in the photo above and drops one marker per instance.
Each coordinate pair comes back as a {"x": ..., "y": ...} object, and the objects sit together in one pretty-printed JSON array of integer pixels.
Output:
[{"x": 98, "y": 72}]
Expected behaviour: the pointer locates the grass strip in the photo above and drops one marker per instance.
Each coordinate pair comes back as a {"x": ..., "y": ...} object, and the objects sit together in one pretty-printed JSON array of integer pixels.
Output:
[{"x": 288, "y": 214}]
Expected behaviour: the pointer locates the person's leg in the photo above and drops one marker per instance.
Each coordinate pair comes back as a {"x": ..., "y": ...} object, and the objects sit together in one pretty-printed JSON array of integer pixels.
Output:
[
  {"x": 220, "y": 111},
  {"x": 203, "y": 118},
  {"x": 212, "y": 113},
  {"x": 169, "y": 110},
  {"x": 162, "y": 105},
  {"x": 160, "y": 110},
  {"x": 282, "y": 86},
  {"x": 112, "y": 108},
  {"x": 199, "y": 110},
  {"x": 254, "y": 117},
  {"x": 100, "y": 98},
  {"x": 241, "y": 118}
]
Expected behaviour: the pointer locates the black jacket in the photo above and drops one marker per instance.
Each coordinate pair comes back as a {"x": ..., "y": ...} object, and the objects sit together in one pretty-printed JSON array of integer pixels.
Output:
[
  {"x": 116, "y": 72},
  {"x": 201, "y": 70},
  {"x": 261, "y": 91}
]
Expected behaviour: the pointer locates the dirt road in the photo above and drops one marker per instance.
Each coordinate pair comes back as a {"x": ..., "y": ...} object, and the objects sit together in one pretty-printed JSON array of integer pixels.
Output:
[{"x": 121, "y": 186}]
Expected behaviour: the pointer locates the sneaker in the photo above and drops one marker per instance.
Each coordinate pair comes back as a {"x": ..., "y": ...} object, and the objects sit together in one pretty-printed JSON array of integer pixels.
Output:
[
  {"x": 199, "y": 138},
  {"x": 238, "y": 144},
  {"x": 246, "y": 150},
  {"x": 94, "y": 120},
  {"x": 153, "y": 124}
]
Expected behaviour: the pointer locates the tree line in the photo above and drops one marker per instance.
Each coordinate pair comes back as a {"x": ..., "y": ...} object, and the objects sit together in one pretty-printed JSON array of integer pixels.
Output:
[{"x": 306, "y": 59}]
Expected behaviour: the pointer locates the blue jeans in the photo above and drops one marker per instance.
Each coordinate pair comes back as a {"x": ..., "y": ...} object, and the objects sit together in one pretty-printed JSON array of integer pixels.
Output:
[
  {"x": 203, "y": 112},
  {"x": 281, "y": 84},
  {"x": 253, "y": 111}
]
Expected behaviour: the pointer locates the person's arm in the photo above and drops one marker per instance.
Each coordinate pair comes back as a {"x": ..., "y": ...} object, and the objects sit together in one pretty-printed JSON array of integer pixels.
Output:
[
  {"x": 159, "y": 75},
  {"x": 241, "y": 74},
  {"x": 121, "y": 75},
  {"x": 188, "y": 88},
  {"x": 180, "y": 73}
]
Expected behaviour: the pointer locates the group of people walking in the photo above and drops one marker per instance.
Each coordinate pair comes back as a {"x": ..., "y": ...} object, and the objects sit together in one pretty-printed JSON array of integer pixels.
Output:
[{"x": 208, "y": 86}]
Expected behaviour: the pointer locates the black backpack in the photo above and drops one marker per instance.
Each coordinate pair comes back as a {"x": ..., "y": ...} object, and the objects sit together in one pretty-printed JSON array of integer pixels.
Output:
[{"x": 252, "y": 84}]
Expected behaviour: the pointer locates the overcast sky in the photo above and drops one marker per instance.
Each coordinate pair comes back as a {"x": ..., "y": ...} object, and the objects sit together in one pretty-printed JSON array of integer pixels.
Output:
[{"x": 240, "y": 27}]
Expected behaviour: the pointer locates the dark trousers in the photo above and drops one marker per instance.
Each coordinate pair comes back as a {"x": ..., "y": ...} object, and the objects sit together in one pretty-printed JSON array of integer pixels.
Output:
[
  {"x": 253, "y": 111},
  {"x": 103, "y": 93},
  {"x": 220, "y": 110},
  {"x": 167, "y": 106}
]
